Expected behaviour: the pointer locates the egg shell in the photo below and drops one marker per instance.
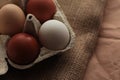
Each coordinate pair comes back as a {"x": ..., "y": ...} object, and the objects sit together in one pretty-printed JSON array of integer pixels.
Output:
[
  {"x": 42, "y": 9},
  {"x": 12, "y": 19},
  {"x": 54, "y": 35},
  {"x": 22, "y": 49}
]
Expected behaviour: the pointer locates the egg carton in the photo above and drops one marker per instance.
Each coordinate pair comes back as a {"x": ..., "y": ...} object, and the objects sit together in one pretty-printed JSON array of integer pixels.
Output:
[{"x": 34, "y": 26}]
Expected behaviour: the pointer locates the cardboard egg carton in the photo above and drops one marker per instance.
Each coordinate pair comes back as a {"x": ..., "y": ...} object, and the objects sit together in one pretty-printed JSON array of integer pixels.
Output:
[{"x": 34, "y": 26}]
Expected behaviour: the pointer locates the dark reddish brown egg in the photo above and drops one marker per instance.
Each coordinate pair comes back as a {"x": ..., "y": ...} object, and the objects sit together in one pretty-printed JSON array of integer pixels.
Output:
[
  {"x": 22, "y": 49},
  {"x": 42, "y": 9}
]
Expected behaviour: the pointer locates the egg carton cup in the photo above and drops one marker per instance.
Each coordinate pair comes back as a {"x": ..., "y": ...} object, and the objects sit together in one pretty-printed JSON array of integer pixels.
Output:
[{"x": 34, "y": 26}]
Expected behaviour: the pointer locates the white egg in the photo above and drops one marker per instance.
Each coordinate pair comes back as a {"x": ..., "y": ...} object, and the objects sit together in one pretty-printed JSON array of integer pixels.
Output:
[{"x": 54, "y": 35}]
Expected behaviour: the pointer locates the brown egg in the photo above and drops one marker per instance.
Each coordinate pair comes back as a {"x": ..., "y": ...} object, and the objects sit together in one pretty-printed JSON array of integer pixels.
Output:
[
  {"x": 22, "y": 49},
  {"x": 42, "y": 9},
  {"x": 12, "y": 19}
]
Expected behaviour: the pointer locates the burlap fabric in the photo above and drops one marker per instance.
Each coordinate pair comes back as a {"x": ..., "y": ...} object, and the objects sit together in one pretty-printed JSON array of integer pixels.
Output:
[{"x": 84, "y": 16}]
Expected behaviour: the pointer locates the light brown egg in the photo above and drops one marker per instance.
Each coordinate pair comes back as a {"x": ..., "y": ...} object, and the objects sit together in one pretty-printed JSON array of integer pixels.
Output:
[{"x": 12, "y": 19}]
